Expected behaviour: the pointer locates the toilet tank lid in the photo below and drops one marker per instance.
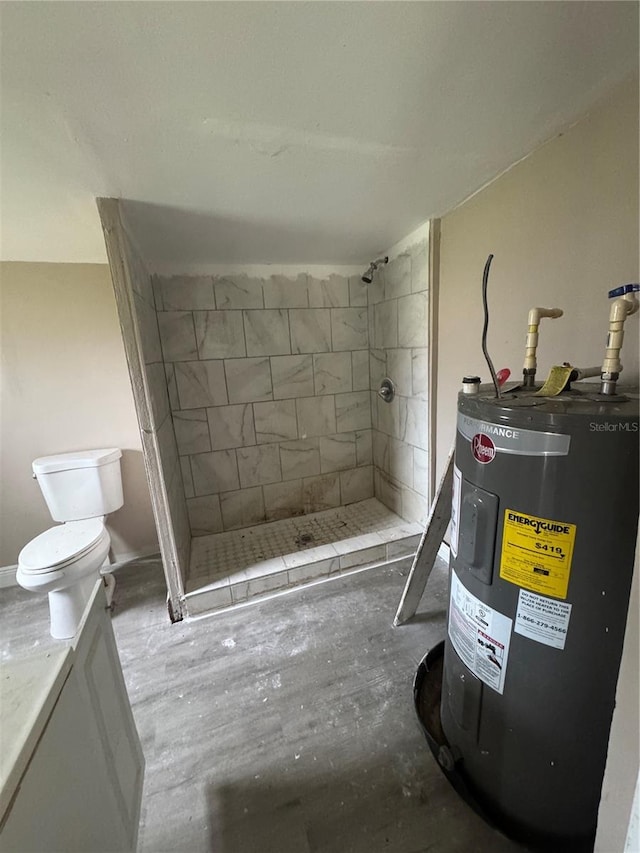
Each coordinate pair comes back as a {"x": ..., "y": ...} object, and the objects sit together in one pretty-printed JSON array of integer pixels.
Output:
[{"x": 76, "y": 459}]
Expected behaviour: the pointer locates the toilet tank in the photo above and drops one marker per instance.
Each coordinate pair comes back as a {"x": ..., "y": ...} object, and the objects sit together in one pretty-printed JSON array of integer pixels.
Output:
[{"x": 82, "y": 484}]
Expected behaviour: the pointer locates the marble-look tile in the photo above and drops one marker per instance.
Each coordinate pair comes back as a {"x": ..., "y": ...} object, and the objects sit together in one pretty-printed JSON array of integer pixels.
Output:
[
  {"x": 259, "y": 465},
  {"x": 310, "y": 330},
  {"x": 267, "y": 332},
  {"x": 316, "y": 416},
  {"x": 387, "y": 492},
  {"x": 320, "y": 493},
  {"x": 177, "y": 335},
  {"x": 356, "y": 485},
  {"x": 167, "y": 449},
  {"x": 248, "y": 380},
  {"x": 332, "y": 292},
  {"x": 305, "y": 556},
  {"x": 292, "y": 376},
  {"x": 381, "y": 451},
  {"x": 158, "y": 394},
  {"x": 282, "y": 500},
  {"x": 242, "y": 508},
  {"x": 204, "y": 515},
  {"x": 275, "y": 421},
  {"x": 390, "y": 415},
  {"x": 363, "y": 558},
  {"x": 349, "y": 329},
  {"x": 200, "y": 384},
  {"x": 420, "y": 471},
  {"x": 312, "y": 571},
  {"x": 413, "y": 320},
  {"x": 416, "y": 431},
  {"x": 414, "y": 506},
  {"x": 399, "y": 370},
  {"x": 184, "y": 293},
  {"x": 148, "y": 329},
  {"x": 192, "y": 431},
  {"x": 240, "y": 291},
  {"x": 385, "y": 324},
  {"x": 258, "y": 569},
  {"x": 283, "y": 292},
  {"x": 360, "y": 370},
  {"x": 204, "y": 601},
  {"x": 375, "y": 290},
  {"x": 377, "y": 367},
  {"x": 260, "y": 586},
  {"x": 373, "y": 399},
  {"x": 172, "y": 388},
  {"x": 300, "y": 458},
  {"x": 219, "y": 334},
  {"x": 332, "y": 372},
  {"x": 403, "y": 547},
  {"x": 420, "y": 267},
  {"x": 401, "y": 462},
  {"x": 187, "y": 477},
  {"x": 420, "y": 373},
  {"x": 353, "y": 411},
  {"x": 231, "y": 426},
  {"x": 357, "y": 292},
  {"x": 337, "y": 452},
  {"x": 364, "y": 451},
  {"x": 214, "y": 472},
  {"x": 359, "y": 542},
  {"x": 397, "y": 277}
]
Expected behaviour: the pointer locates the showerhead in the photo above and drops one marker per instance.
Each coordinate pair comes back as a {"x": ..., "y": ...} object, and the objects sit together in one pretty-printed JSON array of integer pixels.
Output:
[{"x": 367, "y": 277}]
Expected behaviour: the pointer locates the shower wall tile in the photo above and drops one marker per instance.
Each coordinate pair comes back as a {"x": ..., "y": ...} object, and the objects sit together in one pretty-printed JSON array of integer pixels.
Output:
[
  {"x": 316, "y": 416},
  {"x": 420, "y": 471},
  {"x": 310, "y": 330},
  {"x": 275, "y": 421},
  {"x": 337, "y": 452},
  {"x": 420, "y": 268},
  {"x": 320, "y": 493},
  {"x": 200, "y": 384},
  {"x": 413, "y": 320},
  {"x": 377, "y": 367},
  {"x": 283, "y": 292},
  {"x": 385, "y": 320},
  {"x": 148, "y": 327},
  {"x": 283, "y": 500},
  {"x": 416, "y": 429},
  {"x": 420, "y": 373},
  {"x": 259, "y": 465},
  {"x": 375, "y": 290},
  {"x": 248, "y": 380},
  {"x": 233, "y": 292},
  {"x": 192, "y": 431},
  {"x": 356, "y": 485},
  {"x": 360, "y": 370},
  {"x": 332, "y": 372},
  {"x": 292, "y": 376},
  {"x": 172, "y": 388},
  {"x": 397, "y": 277},
  {"x": 159, "y": 397},
  {"x": 204, "y": 515},
  {"x": 219, "y": 334},
  {"x": 329, "y": 293},
  {"x": 349, "y": 328},
  {"x": 214, "y": 472},
  {"x": 300, "y": 458},
  {"x": 267, "y": 332},
  {"x": 399, "y": 370},
  {"x": 357, "y": 292},
  {"x": 400, "y": 461},
  {"x": 353, "y": 411},
  {"x": 177, "y": 336},
  {"x": 242, "y": 508},
  {"x": 364, "y": 452},
  {"x": 187, "y": 477},
  {"x": 231, "y": 426},
  {"x": 184, "y": 293},
  {"x": 414, "y": 507}
]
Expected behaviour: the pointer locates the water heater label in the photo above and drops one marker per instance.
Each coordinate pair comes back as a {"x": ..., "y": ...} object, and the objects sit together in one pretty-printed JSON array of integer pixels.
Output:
[
  {"x": 537, "y": 553},
  {"x": 542, "y": 619},
  {"x": 487, "y": 439},
  {"x": 479, "y": 634}
]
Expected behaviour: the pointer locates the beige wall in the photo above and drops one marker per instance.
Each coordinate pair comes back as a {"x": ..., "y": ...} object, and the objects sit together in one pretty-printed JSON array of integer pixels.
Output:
[
  {"x": 65, "y": 387},
  {"x": 563, "y": 226}
]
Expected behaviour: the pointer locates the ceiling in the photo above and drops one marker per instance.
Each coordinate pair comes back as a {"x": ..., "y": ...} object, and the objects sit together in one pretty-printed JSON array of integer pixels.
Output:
[{"x": 281, "y": 132}]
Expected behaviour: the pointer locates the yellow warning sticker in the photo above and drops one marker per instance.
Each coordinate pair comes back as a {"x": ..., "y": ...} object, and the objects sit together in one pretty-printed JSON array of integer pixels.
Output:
[{"x": 537, "y": 553}]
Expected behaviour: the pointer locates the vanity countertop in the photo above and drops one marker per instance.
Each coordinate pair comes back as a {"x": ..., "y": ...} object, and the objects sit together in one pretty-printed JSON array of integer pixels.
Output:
[{"x": 29, "y": 689}]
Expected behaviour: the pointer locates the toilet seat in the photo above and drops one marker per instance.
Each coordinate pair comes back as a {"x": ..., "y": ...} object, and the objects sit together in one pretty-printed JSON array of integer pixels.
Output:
[{"x": 61, "y": 545}]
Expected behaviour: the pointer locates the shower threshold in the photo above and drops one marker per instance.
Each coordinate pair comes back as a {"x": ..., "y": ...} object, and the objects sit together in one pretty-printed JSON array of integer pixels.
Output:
[{"x": 230, "y": 569}]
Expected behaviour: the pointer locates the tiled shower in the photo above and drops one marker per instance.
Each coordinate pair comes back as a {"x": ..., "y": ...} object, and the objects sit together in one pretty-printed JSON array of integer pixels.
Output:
[{"x": 266, "y": 426}]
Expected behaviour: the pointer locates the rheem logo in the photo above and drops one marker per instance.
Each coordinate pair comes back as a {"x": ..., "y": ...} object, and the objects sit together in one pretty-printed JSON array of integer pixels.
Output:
[{"x": 483, "y": 448}]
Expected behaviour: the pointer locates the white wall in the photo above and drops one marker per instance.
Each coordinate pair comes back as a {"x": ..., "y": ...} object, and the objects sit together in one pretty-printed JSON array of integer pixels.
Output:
[
  {"x": 65, "y": 387},
  {"x": 563, "y": 226}
]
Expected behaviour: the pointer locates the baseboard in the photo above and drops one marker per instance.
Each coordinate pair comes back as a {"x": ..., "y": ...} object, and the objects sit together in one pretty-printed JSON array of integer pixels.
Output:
[{"x": 8, "y": 573}]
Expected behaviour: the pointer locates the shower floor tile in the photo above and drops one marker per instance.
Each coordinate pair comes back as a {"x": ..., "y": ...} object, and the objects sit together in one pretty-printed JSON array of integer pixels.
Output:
[{"x": 230, "y": 568}]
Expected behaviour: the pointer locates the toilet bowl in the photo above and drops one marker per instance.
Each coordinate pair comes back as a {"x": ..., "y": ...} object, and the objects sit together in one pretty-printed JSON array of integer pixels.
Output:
[{"x": 65, "y": 562}]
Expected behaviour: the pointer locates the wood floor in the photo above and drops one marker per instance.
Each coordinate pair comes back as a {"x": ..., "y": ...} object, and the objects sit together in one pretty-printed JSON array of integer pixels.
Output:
[{"x": 286, "y": 726}]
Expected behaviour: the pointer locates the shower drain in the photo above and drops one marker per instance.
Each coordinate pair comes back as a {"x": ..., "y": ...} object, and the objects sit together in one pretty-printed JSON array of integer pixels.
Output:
[{"x": 304, "y": 539}]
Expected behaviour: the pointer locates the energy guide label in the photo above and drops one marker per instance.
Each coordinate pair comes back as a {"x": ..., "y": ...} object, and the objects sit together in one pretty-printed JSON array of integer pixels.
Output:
[
  {"x": 479, "y": 634},
  {"x": 537, "y": 553}
]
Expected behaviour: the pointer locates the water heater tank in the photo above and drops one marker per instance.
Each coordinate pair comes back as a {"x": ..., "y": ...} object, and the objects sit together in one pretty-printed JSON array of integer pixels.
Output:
[{"x": 544, "y": 521}]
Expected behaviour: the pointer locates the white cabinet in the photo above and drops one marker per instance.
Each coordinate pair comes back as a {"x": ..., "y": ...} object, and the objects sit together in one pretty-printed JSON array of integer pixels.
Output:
[{"x": 73, "y": 780}]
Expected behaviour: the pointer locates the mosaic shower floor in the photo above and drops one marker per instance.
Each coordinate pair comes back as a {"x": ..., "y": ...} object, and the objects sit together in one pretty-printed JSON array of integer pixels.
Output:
[{"x": 231, "y": 568}]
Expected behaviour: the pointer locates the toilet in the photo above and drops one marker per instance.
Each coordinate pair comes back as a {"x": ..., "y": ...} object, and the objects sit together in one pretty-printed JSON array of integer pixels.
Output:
[{"x": 80, "y": 489}]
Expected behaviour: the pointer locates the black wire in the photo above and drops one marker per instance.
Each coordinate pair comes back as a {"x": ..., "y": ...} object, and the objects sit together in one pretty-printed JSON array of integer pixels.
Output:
[{"x": 485, "y": 282}]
